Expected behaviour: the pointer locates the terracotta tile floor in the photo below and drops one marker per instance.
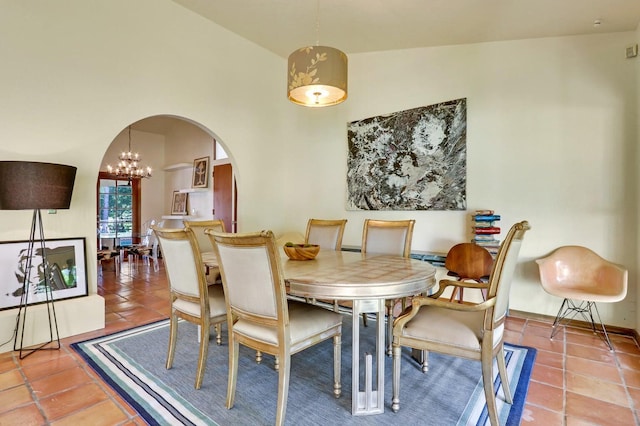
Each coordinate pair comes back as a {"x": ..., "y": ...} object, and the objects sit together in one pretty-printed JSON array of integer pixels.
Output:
[{"x": 576, "y": 380}]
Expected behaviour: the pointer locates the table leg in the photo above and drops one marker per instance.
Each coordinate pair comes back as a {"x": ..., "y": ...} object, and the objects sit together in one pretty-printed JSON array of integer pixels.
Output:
[{"x": 369, "y": 400}]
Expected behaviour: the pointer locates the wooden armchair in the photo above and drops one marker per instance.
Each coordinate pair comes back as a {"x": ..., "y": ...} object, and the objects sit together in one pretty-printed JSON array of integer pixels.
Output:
[
  {"x": 474, "y": 331},
  {"x": 468, "y": 262}
]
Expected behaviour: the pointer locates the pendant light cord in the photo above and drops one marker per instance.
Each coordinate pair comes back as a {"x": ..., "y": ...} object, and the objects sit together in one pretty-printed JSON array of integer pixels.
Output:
[{"x": 318, "y": 23}]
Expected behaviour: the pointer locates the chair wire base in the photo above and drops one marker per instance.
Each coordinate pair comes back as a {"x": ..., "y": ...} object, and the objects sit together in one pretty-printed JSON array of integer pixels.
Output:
[{"x": 570, "y": 308}]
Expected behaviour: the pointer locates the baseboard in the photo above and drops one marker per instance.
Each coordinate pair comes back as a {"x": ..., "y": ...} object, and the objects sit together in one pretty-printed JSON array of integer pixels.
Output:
[{"x": 574, "y": 323}]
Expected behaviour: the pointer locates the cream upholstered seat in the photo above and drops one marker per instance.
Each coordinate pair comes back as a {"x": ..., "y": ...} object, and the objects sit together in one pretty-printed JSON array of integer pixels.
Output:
[
  {"x": 259, "y": 315},
  {"x": 198, "y": 227},
  {"x": 327, "y": 233},
  {"x": 474, "y": 331},
  {"x": 582, "y": 278},
  {"x": 468, "y": 262},
  {"x": 191, "y": 298},
  {"x": 387, "y": 237}
]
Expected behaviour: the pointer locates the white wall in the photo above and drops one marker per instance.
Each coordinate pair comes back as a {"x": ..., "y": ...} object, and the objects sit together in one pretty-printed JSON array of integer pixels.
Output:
[
  {"x": 185, "y": 143},
  {"x": 637, "y": 161},
  {"x": 551, "y": 127},
  {"x": 551, "y": 139},
  {"x": 76, "y": 73}
]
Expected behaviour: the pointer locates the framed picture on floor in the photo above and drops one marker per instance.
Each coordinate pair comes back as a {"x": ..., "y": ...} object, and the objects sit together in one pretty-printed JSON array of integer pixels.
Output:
[
  {"x": 200, "y": 173},
  {"x": 67, "y": 265}
]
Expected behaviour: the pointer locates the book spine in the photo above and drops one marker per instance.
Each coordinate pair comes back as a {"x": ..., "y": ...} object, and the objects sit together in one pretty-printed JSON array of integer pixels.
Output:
[
  {"x": 489, "y": 230},
  {"x": 486, "y": 217}
]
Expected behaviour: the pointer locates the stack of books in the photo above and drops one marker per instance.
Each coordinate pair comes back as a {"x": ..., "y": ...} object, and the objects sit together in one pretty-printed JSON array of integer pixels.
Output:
[{"x": 485, "y": 230}]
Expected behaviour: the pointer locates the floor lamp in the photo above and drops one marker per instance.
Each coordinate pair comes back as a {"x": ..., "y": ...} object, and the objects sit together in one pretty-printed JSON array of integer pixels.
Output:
[{"x": 26, "y": 185}]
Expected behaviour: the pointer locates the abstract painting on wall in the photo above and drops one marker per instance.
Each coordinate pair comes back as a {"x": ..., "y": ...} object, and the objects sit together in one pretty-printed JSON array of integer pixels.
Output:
[{"x": 409, "y": 160}]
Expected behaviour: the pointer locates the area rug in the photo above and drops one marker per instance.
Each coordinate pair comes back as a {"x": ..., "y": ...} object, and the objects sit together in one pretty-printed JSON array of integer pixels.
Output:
[{"x": 450, "y": 393}]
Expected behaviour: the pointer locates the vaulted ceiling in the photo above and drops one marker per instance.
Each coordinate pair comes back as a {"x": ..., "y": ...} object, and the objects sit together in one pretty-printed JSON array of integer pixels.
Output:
[{"x": 356, "y": 26}]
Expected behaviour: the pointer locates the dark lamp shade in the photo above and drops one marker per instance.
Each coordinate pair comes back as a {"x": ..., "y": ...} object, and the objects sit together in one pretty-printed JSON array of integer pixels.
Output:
[{"x": 27, "y": 185}]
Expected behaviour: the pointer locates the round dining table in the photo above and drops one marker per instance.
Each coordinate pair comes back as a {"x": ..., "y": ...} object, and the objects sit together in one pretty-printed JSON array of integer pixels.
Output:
[{"x": 367, "y": 280}]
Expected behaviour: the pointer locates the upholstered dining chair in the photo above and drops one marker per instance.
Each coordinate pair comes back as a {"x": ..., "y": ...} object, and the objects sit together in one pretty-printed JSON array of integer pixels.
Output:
[
  {"x": 468, "y": 262},
  {"x": 387, "y": 237},
  {"x": 191, "y": 298},
  {"x": 582, "y": 278},
  {"x": 474, "y": 331},
  {"x": 327, "y": 233},
  {"x": 198, "y": 227},
  {"x": 259, "y": 315}
]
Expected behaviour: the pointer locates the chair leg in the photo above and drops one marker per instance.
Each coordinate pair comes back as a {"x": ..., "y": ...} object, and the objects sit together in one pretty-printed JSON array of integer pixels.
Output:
[
  {"x": 389, "y": 339},
  {"x": 202, "y": 356},
  {"x": 604, "y": 330},
  {"x": 487, "y": 380},
  {"x": 233, "y": 371},
  {"x": 337, "y": 354},
  {"x": 395, "y": 399},
  {"x": 562, "y": 312},
  {"x": 283, "y": 388},
  {"x": 502, "y": 368},
  {"x": 173, "y": 334},
  {"x": 422, "y": 358},
  {"x": 364, "y": 320},
  {"x": 218, "y": 328}
]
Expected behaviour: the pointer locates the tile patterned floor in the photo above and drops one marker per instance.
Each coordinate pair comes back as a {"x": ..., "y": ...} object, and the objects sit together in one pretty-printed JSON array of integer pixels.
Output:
[{"x": 576, "y": 379}]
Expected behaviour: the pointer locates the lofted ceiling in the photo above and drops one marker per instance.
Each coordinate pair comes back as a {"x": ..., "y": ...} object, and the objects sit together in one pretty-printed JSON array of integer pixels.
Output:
[{"x": 356, "y": 26}]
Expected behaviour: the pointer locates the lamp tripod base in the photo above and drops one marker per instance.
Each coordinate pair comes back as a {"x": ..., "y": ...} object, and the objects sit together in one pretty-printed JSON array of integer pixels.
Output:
[{"x": 21, "y": 319}]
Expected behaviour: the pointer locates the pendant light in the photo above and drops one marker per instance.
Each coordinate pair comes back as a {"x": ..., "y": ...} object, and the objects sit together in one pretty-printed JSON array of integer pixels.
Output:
[{"x": 317, "y": 75}]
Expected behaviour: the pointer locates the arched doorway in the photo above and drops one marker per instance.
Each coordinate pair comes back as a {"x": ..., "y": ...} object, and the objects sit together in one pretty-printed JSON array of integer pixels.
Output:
[{"x": 170, "y": 146}]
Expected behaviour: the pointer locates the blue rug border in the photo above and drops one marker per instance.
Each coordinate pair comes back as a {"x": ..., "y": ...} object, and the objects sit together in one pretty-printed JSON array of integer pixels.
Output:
[
  {"x": 148, "y": 417},
  {"x": 515, "y": 414},
  {"x": 514, "y": 418}
]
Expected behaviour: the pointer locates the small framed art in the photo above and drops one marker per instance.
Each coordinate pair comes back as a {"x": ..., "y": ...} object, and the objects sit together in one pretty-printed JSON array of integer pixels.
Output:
[
  {"x": 179, "y": 203},
  {"x": 200, "y": 173}
]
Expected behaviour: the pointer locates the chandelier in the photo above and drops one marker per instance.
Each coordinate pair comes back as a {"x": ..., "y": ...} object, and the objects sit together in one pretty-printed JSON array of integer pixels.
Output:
[{"x": 129, "y": 166}]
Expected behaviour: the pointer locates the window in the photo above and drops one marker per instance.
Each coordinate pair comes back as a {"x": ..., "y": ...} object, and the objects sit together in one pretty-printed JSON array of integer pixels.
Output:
[{"x": 118, "y": 207}]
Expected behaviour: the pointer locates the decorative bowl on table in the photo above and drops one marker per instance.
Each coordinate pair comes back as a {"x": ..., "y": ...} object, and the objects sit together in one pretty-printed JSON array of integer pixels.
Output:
[{"x": 301, "y": 251}]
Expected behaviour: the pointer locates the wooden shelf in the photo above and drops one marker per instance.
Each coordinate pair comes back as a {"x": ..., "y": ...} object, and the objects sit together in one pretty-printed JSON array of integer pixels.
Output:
[
  {"x": 176, "y": 217},
  {"x": 177, "y": 166},
  {"x": 192, "y": 190}
]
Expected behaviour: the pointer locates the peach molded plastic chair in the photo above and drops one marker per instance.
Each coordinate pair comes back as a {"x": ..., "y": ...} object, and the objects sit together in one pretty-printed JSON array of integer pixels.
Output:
[
  {"x": 582, "y": 278},
  {"x": 259, "y": 315},
  {"x": 468, "y": 262},
  {"x": 474, "y": 331}
]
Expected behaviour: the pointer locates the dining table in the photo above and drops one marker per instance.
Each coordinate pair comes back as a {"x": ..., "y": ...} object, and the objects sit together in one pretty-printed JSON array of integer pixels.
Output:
[{"x": 367, "y": 280}]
